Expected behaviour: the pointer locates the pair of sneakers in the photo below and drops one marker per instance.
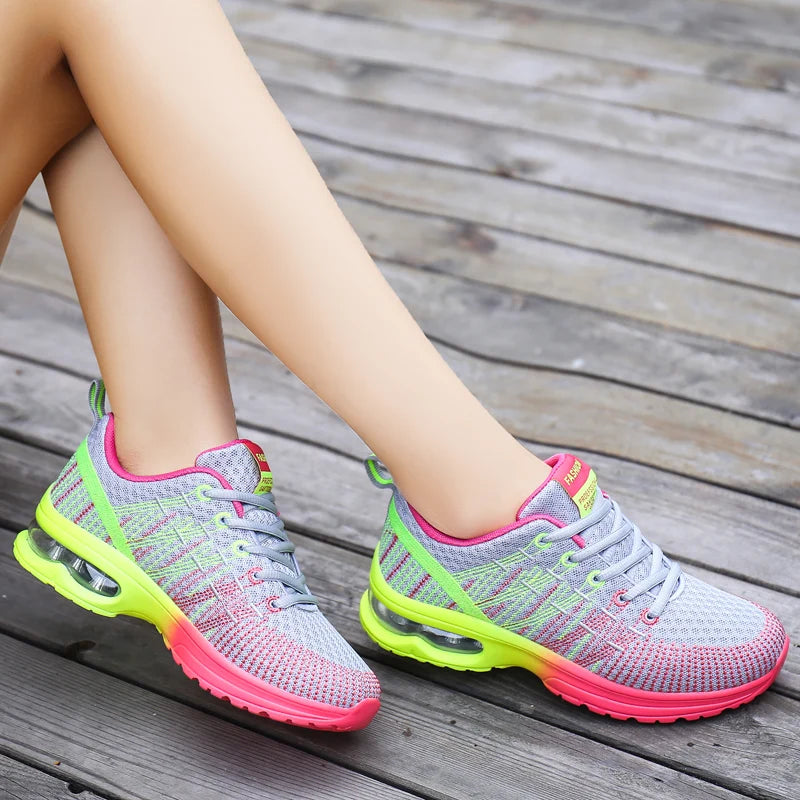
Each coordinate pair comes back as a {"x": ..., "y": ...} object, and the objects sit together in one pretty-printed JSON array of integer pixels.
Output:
[{"x": 570, "y": 590}]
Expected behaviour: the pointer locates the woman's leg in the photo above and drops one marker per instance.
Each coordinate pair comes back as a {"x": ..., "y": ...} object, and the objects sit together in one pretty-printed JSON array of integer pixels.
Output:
[
  {"x": 40, "y": 106},
  {"x": 7, "y": 230},
  {"x": 190, "y": 122},
  {"x": 154, "y": 324}
]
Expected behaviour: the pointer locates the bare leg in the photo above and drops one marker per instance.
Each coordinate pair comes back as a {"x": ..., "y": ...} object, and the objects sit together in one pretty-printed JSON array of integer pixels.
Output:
[
  {"x": 189, "y": 120},
  {"x": 7, "y": 230},
  {"x": 154, "y": 324},
  {"x": 40, "y": 106}
]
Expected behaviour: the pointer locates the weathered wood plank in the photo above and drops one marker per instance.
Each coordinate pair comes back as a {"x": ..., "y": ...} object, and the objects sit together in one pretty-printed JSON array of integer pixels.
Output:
[
  {"x": 21, "y": 782},
  {"x": 744, "y": 742},
  {"x": 198, "y": 755},
  {"x": 714, "y": 194},
  {"x": 80, "y": 717},
  {"x": 525, "y": 24},
  {"x": 773, "y": 24},
  {"x": 769, "y": 206},
  {"x": 544, "y": 333},
  {"x": 632, "y": 130},
  {"x": 671, "y": 299},
  {"x": 507, "y": 63},
  {"x": 588, "y": 222}
]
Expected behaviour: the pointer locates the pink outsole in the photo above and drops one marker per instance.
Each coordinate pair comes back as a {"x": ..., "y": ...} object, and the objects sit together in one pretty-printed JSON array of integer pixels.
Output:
[
  {"x": 582, "y": 688},
  {"x": 224, "y": 680}
]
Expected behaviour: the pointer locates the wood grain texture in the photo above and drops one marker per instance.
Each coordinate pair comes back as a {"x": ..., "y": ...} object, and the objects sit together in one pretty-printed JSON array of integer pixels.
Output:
[
  {"x": 555, "y": 335},
  {"x": 671, "y": 299},
  {"x": 196, "y": 754},
  {"x": 549, "y": 213},
  {"x": 21, "y": 782},
  {"x": 123, "y": 740},
  {"x": 538, "y": 332},
  {"x": 526, "y": 24},
  {"x": 630, "y": 130},
  {"x": 712, "y": 194},
  {"x": 569, "y": 74},
  {"x": 760, "y": 22}
]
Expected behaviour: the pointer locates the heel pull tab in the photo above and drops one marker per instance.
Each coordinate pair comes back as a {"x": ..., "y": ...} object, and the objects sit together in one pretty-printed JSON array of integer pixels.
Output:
[
  {"x": 378, "y": 473},
  {"x": 97, "y": 399}
]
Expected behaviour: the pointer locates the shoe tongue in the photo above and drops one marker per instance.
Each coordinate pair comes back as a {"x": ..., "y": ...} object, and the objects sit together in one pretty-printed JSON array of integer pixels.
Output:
[
  {"x": 568, "y": 494},
  {"x": 242, "y": 463}
]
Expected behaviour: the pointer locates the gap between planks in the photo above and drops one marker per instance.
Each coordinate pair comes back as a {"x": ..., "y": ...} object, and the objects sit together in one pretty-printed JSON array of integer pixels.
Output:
[
  {"x": 528, "y": 25},
  {"x": 573, "y": 75},
  {"x": 19, "y": 781}
]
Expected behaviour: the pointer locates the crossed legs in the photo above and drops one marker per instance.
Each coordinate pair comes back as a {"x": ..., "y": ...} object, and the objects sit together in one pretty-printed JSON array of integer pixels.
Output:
[{"x": 224, "y": 176}]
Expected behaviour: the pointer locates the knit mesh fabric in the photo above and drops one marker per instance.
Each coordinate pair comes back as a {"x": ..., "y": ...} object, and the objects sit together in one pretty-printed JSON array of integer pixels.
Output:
[
  {"x": 173, "y": 536},
  {"x": 704, "y": 640},
  {"x": 406, "y": 576}
]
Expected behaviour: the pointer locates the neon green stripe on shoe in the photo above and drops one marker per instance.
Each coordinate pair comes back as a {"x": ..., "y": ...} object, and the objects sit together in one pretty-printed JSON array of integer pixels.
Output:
[
  {"x": 431, "y": 565},
  {"x": 98, "y": 497}
]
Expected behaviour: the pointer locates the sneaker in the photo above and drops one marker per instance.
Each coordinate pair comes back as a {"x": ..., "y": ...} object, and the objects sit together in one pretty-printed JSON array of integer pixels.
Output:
[
  {"x": 573, "y": 592},
  {"x": 203, "y": 555}
]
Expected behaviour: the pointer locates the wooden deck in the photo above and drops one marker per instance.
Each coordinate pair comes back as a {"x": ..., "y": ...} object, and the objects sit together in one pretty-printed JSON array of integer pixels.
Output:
[{"x": 592, "y": 208}]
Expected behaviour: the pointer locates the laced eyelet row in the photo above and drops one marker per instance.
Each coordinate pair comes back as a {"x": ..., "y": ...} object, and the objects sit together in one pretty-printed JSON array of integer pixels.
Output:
[{"x": 274, "y": 548}]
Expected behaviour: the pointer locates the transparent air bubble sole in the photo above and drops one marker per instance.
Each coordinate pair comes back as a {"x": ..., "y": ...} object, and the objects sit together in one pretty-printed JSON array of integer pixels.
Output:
[
  {"x": 86, "y": 574},
  {"x": 436, "y": 636}
]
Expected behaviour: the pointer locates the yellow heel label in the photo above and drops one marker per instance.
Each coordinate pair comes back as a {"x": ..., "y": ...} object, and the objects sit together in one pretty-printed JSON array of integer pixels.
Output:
[{"x": 579, "y": 482}]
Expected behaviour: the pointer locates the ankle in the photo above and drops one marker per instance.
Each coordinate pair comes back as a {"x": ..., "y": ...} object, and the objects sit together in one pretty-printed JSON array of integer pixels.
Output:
[
  {"x": 467, "y": 510},
  {"x": 147, "y": 450}
]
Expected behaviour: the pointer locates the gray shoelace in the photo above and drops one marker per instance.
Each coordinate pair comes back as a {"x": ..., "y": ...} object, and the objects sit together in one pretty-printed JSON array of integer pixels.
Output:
[
  {"x": 272, "y": 543},
  {"x": 663, "y": 572}
]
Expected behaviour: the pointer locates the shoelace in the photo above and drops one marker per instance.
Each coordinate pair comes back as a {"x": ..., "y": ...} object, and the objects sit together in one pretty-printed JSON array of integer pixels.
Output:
[
  {"x": 280, "y": 552},
  {"x": 663, "y": 572}
]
